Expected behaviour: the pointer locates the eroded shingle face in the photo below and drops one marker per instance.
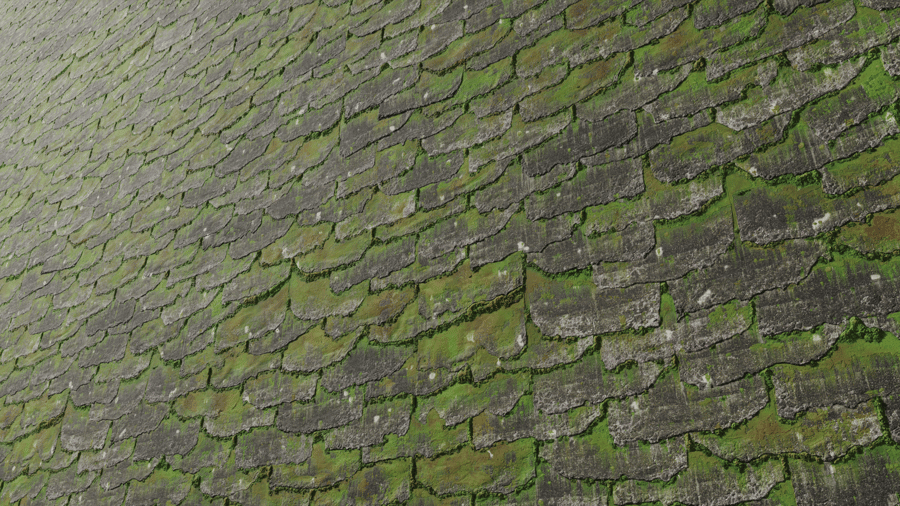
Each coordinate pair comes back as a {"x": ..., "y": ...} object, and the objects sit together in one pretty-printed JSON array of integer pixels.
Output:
[{"x": 450, "y": 252}]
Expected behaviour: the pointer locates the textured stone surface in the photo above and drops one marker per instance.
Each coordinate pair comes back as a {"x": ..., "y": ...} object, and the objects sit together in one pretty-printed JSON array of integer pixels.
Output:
[
  {"x": 461, "y": 252},
  {"x": 670, "y": 409}
]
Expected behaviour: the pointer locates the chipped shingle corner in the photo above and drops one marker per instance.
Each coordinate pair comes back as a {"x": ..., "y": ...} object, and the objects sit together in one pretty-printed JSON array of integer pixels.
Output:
[{"x": 450, "y": 252}]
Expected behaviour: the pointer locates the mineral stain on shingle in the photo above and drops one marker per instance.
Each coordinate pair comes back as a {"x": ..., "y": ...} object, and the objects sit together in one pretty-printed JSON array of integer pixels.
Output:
[{"x": 459, "y": 252}]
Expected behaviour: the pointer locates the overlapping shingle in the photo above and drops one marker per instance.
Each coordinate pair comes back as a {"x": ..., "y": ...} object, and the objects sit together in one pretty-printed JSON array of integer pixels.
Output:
[{"x": 449, "y": 252}]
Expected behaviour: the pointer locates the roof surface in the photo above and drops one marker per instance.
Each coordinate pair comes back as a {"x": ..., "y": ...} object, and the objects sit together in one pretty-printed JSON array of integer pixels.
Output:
[{"x": 450, "y": 252}]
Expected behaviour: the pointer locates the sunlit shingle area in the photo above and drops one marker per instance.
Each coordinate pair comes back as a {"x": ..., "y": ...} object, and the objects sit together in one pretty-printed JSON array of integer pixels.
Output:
[{"x": 450, "y": 252}]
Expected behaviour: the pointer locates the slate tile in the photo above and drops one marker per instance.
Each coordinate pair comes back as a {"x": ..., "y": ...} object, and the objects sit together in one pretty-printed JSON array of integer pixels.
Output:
[
  {"x": 712, "y": 13},
  {"x": 864, "y": 239},
  {"x": 31, "y": 452},
  {"x": 381, "y": 209},
  {"x": 253, "y": 321},
  {"x": 521, "y": 234},
  {"x": 96, "y": 494},
  {"x": 697, "y": 332},
  {"x": 428, "y": 89},
  {"x": 448, "y": 235},
  {"x": 890, "y": 59},
  {"x": 363, "y": 364},
  {"x": 421, "y": 270},
  {"x": 462, "y": 401},
  {"x": 297, "y": 199},
  {"x": 123, "y": 472},
  {"x": 582, "y": 82},
  {"x": 270, "y": 446},
  {"x": 688, "y": 43},
  {"x": 419, "y": 126},
  {"x": 853, "y": 373},
  {"x": 206, "y": 260},
  {"x": 780, "y": 34},
  {"x": 584, "y": 14},
  {"x": 827, "y": 433},
  {"x": 526, "y": 421},
  {"x": 367, "y": 128},
  {"x": 78, "y": 433},
  {"x": 255, "y": 282},
  {"x": 337, "y": 167},
  {"x": 830, "y": 293},
  {"x": 326, "y": 412},
  {"x": 867, "y": 478},
  {"x": 205, "y": 224},
  {"x": 320, "y": 470},
  {"x": 128, "y": 395},
  {"x": 872, "y": 167},
  {"x": 378, "y": 262},
  {"x": 680, "y": 249},
  {"x": 580, "y": 250},
  {"x": 68, "y": 482},
  {"x": 467, "y": 131},
  {"x": 705, "y": 480},
  {"x": 631, "y": 93},
  {"x": 91, "y": 393},
  {"x": 161, "y": 485},
  {"x": 565, "y": 388},
  {"x": 259, "y": 494},
  {"x": 579, "y": 140},
  {"x": 552, "y": 488},
  {"x": 273, "y": 388},
  {"x": 744, "y": 272},
  {"x": 389, "y": 162},
  {"x": 425, "y": 171},
  {"x": 101, "y": 459},
  {"x": 790, "y": 91},
  {"x": 867, "y": 29},
  {"x": 862, "y": 137},
  {"x": 387, "y": 84},
  {"x": 432, "y": 40},
  {"x": 471, "y": 470},
  {"x": 476, "y": 83},
  {"x": 750, "y": 353},
  {"x": 377, "y": 421},
  {"x": 500, "y": 334},
  {"x": 593, "y": 455},
  {"x": 24, "y": 487},
  {"x": 801, "y": 151},
  {"x": 72, "y": 379},
  {"x": 812, "y": 212},
  {"x": 165, "y": 383},
  {"x": 579, "y": 309},
  {"x": 711, "y": 145},
  {"x": 594, "y": 185},
  {"x": 382, "y": 483},
  {"x": 325, "y": 304},
  {"x": 465, "y": 287},
  {"x": 225, "y": 413},
  {"x": 670, "y": 408}
]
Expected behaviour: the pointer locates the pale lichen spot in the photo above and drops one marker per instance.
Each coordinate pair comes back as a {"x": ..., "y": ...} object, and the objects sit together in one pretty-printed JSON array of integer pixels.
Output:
[
  {"x": 705, "y": 297},
  {"x": 818, "y": 223}
]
